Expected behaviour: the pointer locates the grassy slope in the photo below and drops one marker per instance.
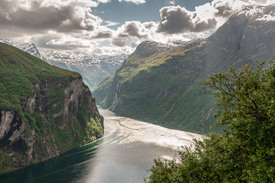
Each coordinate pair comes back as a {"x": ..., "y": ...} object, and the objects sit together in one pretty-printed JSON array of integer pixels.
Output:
[
  {"x": 167, "y": 88},
  {"x": 19, "y": 72},
  {"x": 162, "y": 88}
]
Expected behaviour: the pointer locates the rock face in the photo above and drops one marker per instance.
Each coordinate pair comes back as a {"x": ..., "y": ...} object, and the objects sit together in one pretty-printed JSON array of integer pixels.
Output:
[
  {"x": 167, "y": 86},
  {"x": 57, "y": 114}
]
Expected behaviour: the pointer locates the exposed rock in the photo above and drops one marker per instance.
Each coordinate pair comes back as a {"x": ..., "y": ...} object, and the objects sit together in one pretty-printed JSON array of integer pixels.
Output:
[
  {"x": 23, "y": 143},
  {"x": 6, "y": 120}
]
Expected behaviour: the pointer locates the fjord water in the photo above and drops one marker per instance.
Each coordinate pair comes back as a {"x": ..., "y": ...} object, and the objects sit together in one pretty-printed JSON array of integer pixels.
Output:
[{"x": 123, "y": 155}]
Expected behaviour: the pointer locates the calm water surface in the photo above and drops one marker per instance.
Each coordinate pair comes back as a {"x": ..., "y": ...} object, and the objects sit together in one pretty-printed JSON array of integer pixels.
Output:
[{"x": 123, "y": 155}]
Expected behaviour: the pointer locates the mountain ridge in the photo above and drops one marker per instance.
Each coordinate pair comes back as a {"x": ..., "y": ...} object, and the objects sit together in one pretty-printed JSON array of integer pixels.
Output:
[{"x": 167, "y": 87}]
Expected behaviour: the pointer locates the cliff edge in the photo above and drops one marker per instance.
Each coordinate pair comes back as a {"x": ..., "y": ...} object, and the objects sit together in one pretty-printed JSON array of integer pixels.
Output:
[{"x": 44, "y": 110}]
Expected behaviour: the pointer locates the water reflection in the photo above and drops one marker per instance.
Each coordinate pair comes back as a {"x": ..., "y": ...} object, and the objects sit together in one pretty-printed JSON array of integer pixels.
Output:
[
  {"x": 62, "y": 169},
  {"x": 123, "y": 155}
]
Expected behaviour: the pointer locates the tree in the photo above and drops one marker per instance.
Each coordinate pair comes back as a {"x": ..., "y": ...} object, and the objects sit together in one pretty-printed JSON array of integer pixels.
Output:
[{"x": 245, "y": 151}]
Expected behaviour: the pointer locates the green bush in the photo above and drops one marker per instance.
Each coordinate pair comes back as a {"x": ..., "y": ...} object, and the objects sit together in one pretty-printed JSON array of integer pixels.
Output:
[
  {"x": 245, "y": 151},
  {"x": 4, "y": 162}
]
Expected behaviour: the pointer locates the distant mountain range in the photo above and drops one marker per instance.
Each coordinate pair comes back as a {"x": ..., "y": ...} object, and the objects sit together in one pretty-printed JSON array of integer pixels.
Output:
[
  {"x": 165, "y": 85},
  {"x": 93, "y": 68}
]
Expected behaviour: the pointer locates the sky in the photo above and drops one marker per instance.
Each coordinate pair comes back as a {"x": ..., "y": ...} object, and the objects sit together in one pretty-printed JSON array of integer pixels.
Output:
[{"x": 112, "y": 26}]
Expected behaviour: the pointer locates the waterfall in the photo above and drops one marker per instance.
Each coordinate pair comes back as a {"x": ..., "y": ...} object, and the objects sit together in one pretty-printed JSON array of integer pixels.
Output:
[{"x": 114, "y": 104}]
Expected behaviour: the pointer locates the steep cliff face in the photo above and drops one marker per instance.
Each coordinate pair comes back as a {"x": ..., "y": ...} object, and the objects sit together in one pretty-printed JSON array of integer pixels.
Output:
[
  {"x": 167, "y": 87},
  {"x": 44, "y": 110}
]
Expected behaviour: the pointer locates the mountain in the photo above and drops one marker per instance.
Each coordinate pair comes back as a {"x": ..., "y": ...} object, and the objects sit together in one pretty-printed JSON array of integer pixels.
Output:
[
  {"x": 26, "y": 47},
  {"x": 93, "y": 68},
  {"x": 148, "y": 48},
  {"x": 44, "y": 110},
  {"x": 166, "y": 87}
]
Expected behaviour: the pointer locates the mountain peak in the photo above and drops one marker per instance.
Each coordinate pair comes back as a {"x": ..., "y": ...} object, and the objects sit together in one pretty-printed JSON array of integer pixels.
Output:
[
  {"x": 148, "y": 48},
  {"x": 258, "y": 12},
  {"x": 26, "y": 47}
]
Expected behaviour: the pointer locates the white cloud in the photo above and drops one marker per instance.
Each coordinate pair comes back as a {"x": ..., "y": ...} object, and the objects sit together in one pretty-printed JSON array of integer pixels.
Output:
[
  {"x": 44, "y": 15},
  {"x": 172, "y": 2},
  {"x": 70, "y": 24},
  {"x": 104, "y": 1},
  {"x": 71, "y": 42},
  {"x": 110, "y": 23},
  {"x": 176, "y": 19},
  {"x": 134, "y": 1}
]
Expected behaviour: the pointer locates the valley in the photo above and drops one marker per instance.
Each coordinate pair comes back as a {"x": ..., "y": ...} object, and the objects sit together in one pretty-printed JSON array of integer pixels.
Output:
[
  {"x": 188, "y": 97},
  {"x": 134, "y": 145},
  {"x": 165, "y": 85}
]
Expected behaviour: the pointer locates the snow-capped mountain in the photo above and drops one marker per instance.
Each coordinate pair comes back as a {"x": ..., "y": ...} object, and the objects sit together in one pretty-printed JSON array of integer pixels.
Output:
[
  {"x": 93, "y": 68},
  {"x": 27, "y": 47},
  {"x": 258, "y": 13},
  {"x": 81, "y": 58}
]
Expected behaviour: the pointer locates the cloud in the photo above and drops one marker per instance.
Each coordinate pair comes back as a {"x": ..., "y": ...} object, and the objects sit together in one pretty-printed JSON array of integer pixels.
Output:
[
  {"x": 104, "y": 1},
  {"x": 62, "y": 41},
  {"x": 120, "y": 42},
  {"x": 176, "y": 19},
  {"x": 103, "y": 35},
  {"x": 71, "y": 25},
  {"x": 205, "y": 25},
  {"x": 134, "y": 1},
  {"x": 172, "y": 2},
  {"x": 224, "y": 9},
  {"x": 41, "y": 16},
  {"x": 133, "y": 29},
  {"x": 110, "y": 23}
]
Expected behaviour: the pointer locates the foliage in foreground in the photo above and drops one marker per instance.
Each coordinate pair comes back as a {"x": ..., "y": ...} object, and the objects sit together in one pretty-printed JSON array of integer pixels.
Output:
[{"x": 245, "y": 151}]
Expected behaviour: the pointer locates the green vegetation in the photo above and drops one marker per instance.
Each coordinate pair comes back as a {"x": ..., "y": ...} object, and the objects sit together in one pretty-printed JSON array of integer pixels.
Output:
[
  {"x": 86, "y": 129},
  {"x": 40, "y": 97},
  {"x": 245, "y": 151},
  {"x": 103, "y": 90},
  {"x": 56, "y": 94},
  {"x": 168, "y": 85},
  {"x": 19, "y": 72},
  {"x": 4, "y": 162}
]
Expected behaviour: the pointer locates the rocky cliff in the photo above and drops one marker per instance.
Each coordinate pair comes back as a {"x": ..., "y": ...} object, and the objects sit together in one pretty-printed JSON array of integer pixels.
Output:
[{"x": 44, "y": 110}]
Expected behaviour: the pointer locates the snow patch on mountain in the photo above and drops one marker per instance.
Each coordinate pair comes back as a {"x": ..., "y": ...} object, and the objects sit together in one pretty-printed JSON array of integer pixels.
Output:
[
  {"x": 81, "y": 58},
  {"x": 27, "y": 47},
  {"x": 259, "y": 13},
  {"x": 269, "y": 17}
]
